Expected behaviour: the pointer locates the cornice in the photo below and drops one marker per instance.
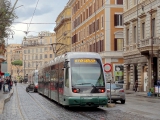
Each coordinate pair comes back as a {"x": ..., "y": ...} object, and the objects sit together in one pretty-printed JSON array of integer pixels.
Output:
[
  {"x": 130, "y": 53},
  {"x": 142, "y": 15}
]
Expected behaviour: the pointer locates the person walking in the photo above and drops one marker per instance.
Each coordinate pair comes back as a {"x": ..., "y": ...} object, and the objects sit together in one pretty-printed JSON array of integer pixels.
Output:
[
  {"x": 136, "y": 85},
  {"x": 9, "y": 83},
  {"x": 15, "y": 82}
]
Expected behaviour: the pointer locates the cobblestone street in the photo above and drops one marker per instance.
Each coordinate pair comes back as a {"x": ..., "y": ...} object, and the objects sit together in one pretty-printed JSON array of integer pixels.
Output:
[{"x": 32, "y": 106}]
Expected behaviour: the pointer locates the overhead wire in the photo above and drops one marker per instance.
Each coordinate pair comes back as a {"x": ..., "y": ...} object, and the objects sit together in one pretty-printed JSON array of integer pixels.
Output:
[{"x": 32, "y": 17}]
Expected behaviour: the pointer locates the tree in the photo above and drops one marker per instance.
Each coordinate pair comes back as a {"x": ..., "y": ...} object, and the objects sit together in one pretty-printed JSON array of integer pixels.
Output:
[
  {"x": 7, "y": 17},
  {"x": 17, "y": 64}
]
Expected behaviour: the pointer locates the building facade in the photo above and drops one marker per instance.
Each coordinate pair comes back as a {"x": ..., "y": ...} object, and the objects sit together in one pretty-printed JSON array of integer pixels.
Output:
[
  {"x": 97, "y": 27},
  {"x": 63, "y": 31},
  {"x": 141, "y": 43},
  {"x": 13, "y": 53},
  {"x": 37, "y": 51}
]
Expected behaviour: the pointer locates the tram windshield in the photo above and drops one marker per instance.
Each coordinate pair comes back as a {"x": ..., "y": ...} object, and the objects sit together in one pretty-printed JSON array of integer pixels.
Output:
[
  {"x": 87, "y": 71},
  {"x": 35, "y": 78}
]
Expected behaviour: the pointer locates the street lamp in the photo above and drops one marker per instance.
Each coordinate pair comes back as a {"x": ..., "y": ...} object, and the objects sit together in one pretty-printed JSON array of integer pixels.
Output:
[{"x": 55, "y": 50}]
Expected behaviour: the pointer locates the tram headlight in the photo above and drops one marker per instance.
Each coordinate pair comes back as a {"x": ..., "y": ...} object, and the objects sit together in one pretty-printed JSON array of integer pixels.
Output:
[{"x": 75, "y": 90}]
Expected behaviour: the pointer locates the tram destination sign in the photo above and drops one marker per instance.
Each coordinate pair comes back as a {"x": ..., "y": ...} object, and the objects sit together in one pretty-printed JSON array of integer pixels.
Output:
[{"x": 85, "y": 61}]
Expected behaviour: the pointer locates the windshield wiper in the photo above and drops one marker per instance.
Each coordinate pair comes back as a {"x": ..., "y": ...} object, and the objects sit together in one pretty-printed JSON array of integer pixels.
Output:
[{"x": 86, "y": 84}]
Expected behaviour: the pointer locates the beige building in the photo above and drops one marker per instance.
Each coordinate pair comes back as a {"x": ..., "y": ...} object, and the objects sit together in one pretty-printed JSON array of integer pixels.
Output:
[
  {"x": 63, "y": 31},
  {"x": 141, "y": 43},
  {"x": 37, "y": 51},
  {"x": 14, "y": 52}
]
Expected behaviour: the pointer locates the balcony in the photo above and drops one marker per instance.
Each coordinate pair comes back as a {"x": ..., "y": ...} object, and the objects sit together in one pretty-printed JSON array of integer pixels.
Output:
[
  {"x": 111, "y": 54},
  {"x": 145, "y": 45},
  {"x": 32, "y": 44},
  {"x": 63, "y": 19}
]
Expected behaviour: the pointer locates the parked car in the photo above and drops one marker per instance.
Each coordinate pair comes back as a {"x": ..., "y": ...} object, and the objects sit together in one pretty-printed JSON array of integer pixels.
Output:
[
  {"x": 117, "y": 92},
  {"x": 32, "y": 87}
]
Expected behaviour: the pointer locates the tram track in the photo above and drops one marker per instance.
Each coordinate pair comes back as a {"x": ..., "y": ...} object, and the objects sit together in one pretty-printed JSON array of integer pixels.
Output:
[
  {"x": 62, "y": 108},
  {"x": 51, "y": 115},
  {"x": 19, "y": 108}
]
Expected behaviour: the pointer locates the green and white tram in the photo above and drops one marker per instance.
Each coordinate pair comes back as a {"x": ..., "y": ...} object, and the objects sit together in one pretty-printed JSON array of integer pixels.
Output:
[{"x": 74, "y": 79}]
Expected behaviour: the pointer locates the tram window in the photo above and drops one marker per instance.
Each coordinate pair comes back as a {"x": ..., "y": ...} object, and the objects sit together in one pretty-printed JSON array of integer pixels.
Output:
[{"x": 67, "y": 77}]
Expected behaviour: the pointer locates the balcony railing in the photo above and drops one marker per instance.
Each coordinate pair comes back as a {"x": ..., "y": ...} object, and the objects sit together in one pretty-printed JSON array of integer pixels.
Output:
[
  {"x": 33, "y": 44},
  {"x": 111, "y": 54},
  {"x": 148, "y": 42}
]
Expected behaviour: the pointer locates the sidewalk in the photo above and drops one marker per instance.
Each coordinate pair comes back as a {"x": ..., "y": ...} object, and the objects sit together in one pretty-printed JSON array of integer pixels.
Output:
[
  {"x": 4, "y": 97},
  {"x": 142, "y": 94}
]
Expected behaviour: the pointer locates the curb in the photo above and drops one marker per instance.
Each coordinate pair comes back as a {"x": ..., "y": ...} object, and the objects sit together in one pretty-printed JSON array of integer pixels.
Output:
[
  {"x": 149, "y": 97},
  {"x": 3, "y": 101}
]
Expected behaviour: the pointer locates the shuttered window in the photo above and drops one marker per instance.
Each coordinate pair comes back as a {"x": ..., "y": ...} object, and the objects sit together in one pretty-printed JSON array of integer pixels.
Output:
[
  {"x": 118, "y": 43},
  {"x": 117, "y": 19},
  {"x": 120, "y": 2}
]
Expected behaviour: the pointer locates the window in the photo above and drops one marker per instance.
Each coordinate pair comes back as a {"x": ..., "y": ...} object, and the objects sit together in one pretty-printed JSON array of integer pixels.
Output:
[
  {"x": 127, "y": 37},
  {"x": 36, "y": 57},
  {"x": 40, "y": 56},
  {"x": 67, "y": 77},
  {"x": 118, "y": 20},
  {"x": 153, "y": 27},
  {"x": 45, "y": 55},
  {"x": 45, "y": 48},
  {"x": 50, "y": 55},
  {"x": 119, "y": 2},
  {"x": 127, "y": 4},
  {"x": 135, "y": 2},
  {"x": 143, "y": 30},
  {"x": 118, "y": 44},
  {"x": 135, "y": 34},
  {"x": 102, "y": 22},
  {"x": 97, "y": 25},
  {"x": 50, "y": 40}
]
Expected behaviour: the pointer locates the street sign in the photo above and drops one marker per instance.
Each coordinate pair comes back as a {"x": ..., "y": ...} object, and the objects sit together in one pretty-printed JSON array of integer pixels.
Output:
[
  {"x": 108, "y": 76},
  {"x": 107, "y": 67}
]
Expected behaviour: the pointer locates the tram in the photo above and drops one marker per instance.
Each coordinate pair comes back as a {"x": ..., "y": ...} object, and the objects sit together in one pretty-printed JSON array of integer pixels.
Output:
[
  {"x": 33, "y": 80},
  {"x": 74, "y": 79}
]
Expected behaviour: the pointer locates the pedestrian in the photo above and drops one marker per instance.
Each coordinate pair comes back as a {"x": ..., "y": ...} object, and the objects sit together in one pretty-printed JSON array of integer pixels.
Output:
[
  {"x": 15, "y": 82},
  {"x": 0, "y": 83},
  {"x": 136, "y": 85},
  {"x": 9, "y": 83}
]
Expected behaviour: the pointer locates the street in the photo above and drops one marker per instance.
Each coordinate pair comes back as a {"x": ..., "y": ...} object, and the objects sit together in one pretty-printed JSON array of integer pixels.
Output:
[{"x": 32, "y": 106}]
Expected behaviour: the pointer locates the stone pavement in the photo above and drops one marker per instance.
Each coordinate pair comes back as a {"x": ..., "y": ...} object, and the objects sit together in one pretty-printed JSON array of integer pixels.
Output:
[{"x": 4, "y": 97}]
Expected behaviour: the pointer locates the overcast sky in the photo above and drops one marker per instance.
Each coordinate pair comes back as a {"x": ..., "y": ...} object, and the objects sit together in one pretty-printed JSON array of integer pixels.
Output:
[{"x": 46, "y": 12}]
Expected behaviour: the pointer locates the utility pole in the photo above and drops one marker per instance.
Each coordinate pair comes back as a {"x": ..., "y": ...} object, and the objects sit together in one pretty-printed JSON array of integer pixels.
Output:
[{"x": 151, "y": 57}]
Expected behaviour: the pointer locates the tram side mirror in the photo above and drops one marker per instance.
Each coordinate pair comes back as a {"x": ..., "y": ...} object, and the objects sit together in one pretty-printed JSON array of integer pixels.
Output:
[{"x": 65, "y": 64}]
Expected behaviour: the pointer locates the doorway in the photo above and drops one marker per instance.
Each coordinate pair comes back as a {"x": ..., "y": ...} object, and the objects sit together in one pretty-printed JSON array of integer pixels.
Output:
[
  {"x": 128, "y": 77},
  {"x": 135, "y": 73},
  {"x": 155, "y": 76}
]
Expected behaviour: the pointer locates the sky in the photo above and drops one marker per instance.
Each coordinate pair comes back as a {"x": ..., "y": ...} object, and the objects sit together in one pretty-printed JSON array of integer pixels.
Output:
[{"x": 46, "y": 12}]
